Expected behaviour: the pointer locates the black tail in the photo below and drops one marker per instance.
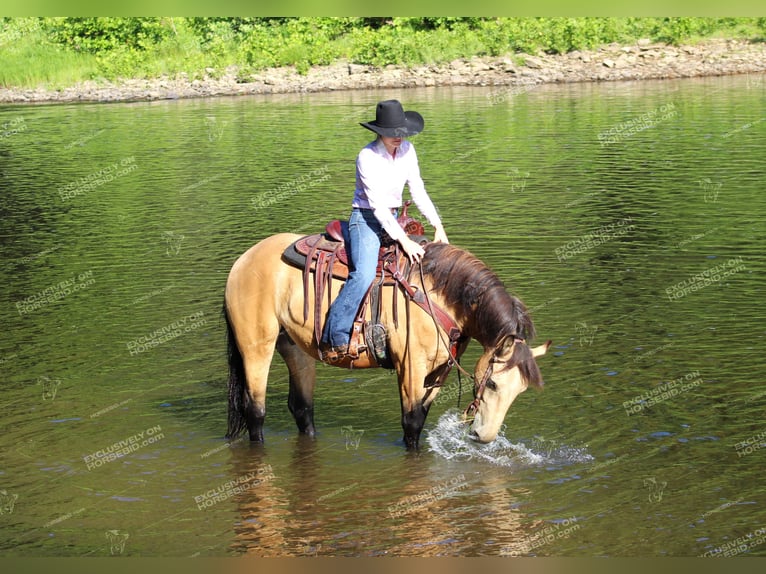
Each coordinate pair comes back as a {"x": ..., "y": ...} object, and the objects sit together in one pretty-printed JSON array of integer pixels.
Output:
[{"x": 238, "y": 396}]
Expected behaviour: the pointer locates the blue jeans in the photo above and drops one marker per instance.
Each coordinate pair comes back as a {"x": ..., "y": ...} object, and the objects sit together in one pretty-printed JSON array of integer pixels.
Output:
[{"x": 363, "y": 244}]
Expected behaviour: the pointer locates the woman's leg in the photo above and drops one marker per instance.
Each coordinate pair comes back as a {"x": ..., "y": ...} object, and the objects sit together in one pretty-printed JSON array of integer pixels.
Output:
[{"x": 363, "y": 247}]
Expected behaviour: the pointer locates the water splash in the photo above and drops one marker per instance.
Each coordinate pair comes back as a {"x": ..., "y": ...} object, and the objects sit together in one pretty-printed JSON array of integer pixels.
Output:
[{"x": 449, "y": 439}]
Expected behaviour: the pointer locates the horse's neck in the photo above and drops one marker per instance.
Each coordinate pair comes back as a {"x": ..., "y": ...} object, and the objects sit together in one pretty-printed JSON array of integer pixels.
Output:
[{"x": 463, "y": 322}]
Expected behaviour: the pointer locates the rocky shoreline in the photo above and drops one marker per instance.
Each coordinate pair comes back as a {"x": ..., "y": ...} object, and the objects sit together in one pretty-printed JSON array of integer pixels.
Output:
[{"x": 640, "y": 61}]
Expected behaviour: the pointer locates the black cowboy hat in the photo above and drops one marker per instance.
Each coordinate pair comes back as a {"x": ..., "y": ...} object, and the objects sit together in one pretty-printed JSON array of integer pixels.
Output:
[{"x": 392, "y": 121}]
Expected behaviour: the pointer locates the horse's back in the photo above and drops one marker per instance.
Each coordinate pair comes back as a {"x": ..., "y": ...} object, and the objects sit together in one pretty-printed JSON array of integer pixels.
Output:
[
  {"x": 259, "y": 269},
  {"x": 266, "y": 250}
]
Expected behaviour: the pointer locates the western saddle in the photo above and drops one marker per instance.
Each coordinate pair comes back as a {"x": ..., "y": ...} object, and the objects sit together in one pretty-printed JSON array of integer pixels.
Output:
[{"x": 324, "y": 255}]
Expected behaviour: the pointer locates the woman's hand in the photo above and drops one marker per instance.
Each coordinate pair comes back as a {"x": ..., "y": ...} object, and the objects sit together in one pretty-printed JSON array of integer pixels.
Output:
[
  {"x": 413, "y": 249},
  {"x": 440, "y": 236}
]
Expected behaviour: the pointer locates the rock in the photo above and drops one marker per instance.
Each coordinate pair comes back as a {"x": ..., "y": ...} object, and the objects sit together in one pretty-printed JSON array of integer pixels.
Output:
[
  {"x": 533, "y": 62},
  {"x": 644, "y": 60},
  {"x": 506, "y": 65},
  {"x": 357, "y": 69}
]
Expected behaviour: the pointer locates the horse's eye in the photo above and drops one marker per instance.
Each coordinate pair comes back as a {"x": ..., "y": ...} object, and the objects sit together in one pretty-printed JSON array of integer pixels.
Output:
[{"x": 491, "y": 385}]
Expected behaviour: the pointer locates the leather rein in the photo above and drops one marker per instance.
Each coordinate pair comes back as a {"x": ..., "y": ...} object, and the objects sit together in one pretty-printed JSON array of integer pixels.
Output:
[{"x": 449, "y": 326}]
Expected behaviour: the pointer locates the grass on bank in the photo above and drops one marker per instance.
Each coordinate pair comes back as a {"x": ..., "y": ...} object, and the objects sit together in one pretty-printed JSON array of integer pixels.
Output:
[{"x": 59, "y": 52}]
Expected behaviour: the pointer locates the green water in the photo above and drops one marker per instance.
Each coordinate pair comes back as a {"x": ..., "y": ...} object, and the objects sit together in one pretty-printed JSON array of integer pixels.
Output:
[{"x": 596, "y": 204}]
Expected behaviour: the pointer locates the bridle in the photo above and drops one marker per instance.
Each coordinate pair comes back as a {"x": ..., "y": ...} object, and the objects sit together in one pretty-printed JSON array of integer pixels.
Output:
[
  {"x": 485, "y": 378},
  {"x": 448, "y": 325}
]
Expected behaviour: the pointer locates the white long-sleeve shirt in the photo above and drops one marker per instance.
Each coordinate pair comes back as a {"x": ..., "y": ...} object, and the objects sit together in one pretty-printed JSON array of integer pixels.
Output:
[{"x": 380, "y": 180}]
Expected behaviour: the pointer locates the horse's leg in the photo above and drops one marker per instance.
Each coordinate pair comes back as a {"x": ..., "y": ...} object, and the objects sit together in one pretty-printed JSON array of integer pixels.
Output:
[
  {"x": 252, "y": 337},
  {"x": 415, "y": 404},
  {"x": 257, "y": 363},
  {"x": 302, "y": 368},
  {"x": 413, "y": 421}
]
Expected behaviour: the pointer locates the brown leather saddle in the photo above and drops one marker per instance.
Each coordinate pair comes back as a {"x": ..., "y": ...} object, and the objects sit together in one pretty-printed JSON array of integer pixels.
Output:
[{"x": 324, "y": 256}]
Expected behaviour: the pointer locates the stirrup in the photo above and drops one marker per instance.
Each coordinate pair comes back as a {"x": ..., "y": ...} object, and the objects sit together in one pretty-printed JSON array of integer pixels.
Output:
[{"x": 332, "y": 354}]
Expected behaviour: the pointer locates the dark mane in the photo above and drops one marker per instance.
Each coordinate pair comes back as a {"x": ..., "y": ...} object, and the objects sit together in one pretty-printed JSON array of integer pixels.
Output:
[
  {"x": 523, "y": 358},
  {"x": 467, "y": 284}
]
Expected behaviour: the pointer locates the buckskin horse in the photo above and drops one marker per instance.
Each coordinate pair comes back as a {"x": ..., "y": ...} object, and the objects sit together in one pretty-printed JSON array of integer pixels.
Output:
[{"x": 458, "y": 298}]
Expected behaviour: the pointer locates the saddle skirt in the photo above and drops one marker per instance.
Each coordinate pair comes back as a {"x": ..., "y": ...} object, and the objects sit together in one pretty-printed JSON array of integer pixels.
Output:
[{"x": 325, "y": 257}]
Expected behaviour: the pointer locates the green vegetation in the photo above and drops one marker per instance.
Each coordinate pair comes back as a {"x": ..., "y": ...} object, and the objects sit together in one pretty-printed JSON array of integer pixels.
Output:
[{"x": 55, "y": 52}]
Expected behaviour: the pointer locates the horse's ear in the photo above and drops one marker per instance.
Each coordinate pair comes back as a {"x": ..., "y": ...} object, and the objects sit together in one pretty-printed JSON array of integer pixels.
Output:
[
  {"x": 505, "y": 348},
  {"x": 541, "y": 350}
]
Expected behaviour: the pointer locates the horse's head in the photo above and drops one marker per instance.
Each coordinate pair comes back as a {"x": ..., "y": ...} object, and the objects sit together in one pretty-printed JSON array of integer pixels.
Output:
[{"x": 502, "y": 374}]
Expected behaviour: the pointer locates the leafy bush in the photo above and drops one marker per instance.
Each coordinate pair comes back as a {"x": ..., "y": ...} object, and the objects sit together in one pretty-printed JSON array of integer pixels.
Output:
[
  {"x": 148, "y": 47},
  {"x": 102, "y": 34}
]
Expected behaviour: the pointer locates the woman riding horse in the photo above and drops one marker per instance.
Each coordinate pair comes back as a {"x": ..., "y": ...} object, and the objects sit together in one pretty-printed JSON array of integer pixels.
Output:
[{"x": 382, "y": 168}]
